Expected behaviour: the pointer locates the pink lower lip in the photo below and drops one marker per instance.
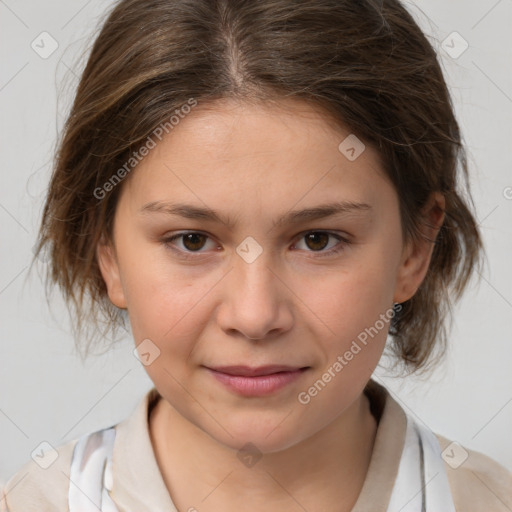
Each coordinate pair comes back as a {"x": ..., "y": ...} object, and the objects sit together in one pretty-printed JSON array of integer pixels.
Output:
[{"x": 257, "y": 386}]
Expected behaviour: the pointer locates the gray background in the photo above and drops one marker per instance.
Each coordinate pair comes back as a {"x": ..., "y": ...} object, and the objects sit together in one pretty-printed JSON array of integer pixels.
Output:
[{"x": 48, "y": 394}]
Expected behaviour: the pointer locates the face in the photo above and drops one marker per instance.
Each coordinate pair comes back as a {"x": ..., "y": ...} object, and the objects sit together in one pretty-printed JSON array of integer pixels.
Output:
[{"x": 246, "y": 239}]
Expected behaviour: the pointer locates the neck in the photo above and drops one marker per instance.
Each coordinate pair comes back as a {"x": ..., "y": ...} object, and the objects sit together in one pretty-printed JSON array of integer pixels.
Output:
[{"x": 325, "y": 470}]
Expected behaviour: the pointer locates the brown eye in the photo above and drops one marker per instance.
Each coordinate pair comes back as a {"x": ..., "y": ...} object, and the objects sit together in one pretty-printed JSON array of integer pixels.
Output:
[
  {"x": 194, "y": 241},
  {"x": 188, "y": 242},
  {"x": 317, "y": 240},
  {"x": 322, "y": 243}
]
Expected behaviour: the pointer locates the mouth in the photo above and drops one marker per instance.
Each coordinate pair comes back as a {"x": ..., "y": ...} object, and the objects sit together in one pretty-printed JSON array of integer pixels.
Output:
[
  {"x": 256, "y": 381},
  {"x": 247, "y": 371}
]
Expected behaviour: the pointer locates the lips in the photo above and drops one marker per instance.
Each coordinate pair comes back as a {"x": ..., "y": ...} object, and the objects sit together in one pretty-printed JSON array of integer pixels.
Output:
[
  {"x": 256, "y": 381},
  {"x": 247, "y": 371}
]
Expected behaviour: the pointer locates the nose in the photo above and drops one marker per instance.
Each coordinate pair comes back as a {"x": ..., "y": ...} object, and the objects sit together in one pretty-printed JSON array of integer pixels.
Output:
[{"x": 256, "y": 303}]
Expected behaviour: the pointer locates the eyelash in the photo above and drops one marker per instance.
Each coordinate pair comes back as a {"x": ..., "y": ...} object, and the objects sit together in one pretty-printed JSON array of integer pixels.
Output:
[{"x": 167, "y": 241}]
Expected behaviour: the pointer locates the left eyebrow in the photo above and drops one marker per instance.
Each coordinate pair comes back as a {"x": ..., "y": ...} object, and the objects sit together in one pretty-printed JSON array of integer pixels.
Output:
[
  {"x": 293, "y": 217},
  {"x": 321, "y": 212}
]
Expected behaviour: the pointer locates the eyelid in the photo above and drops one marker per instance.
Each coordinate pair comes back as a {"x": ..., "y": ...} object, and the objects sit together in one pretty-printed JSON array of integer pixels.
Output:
[
  {"x": 337, "y": 234},
  {"x": 167, "y": 239},
  {"x": 343, "y": 241}
]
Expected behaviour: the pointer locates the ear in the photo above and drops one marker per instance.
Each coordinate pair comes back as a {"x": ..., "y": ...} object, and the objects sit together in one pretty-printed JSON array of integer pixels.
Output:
[
  {"x": 109, "y": 268},
  {"x": 417, "y": 254}
]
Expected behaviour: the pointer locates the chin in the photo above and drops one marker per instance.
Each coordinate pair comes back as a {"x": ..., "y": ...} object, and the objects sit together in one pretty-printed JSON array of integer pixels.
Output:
[{"x": 275, "y": 434}]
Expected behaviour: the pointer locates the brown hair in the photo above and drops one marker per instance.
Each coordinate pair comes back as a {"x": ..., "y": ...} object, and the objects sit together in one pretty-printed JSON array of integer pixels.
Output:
[{"x": 366, "y": 63}]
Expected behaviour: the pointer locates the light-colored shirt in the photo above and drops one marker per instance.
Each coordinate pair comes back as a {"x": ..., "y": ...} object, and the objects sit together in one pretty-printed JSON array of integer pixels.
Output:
[{"x": 477, "y": 484}]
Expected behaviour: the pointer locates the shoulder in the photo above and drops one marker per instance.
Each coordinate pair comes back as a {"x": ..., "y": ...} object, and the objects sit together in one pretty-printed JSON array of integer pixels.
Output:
[
  {"x": 477, "y": 482},
  {"x": 42, "y": 484}
]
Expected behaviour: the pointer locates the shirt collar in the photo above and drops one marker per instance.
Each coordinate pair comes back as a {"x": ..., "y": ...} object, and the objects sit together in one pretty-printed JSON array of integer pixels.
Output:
[
  {"x": 138, "y": 483},
  {"x": 387, "y": 450}
]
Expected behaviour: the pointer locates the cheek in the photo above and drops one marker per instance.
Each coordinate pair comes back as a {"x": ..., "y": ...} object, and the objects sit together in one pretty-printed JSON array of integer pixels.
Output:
[
  {"x": 160, "y": 298},
  {"x": 352, "y": 298},
  {"x": 354, "y": 307},
  {"x": 357, "y": 308},
  {"x": 163, "y": 308}
]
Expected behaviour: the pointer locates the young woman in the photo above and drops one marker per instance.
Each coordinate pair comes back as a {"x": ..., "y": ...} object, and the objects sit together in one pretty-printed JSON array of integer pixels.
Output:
[{"x": 268, "y": 190}]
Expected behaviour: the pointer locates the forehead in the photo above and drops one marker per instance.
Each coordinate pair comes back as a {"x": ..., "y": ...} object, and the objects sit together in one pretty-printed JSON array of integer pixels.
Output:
[
  {"x": 238, "y": 154},
  {"x": 244, "y": 128}
]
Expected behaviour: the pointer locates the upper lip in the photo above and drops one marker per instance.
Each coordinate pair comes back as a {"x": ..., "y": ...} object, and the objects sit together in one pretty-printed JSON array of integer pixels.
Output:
[{"x": 248, "y": 371}]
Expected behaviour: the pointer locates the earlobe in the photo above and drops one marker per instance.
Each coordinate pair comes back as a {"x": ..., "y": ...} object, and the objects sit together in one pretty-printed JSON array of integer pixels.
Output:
[
  {"x": 109, "y": 268},
  {"x": 417, "y": 253}
]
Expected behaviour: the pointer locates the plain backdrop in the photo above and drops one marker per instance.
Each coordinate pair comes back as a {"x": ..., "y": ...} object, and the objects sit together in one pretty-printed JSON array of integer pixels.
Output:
[{"x": 48, "y": 394}]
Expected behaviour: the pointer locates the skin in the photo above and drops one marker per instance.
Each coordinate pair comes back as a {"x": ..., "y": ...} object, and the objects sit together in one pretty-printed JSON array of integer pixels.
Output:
[{"x": 291, "y": 305}]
